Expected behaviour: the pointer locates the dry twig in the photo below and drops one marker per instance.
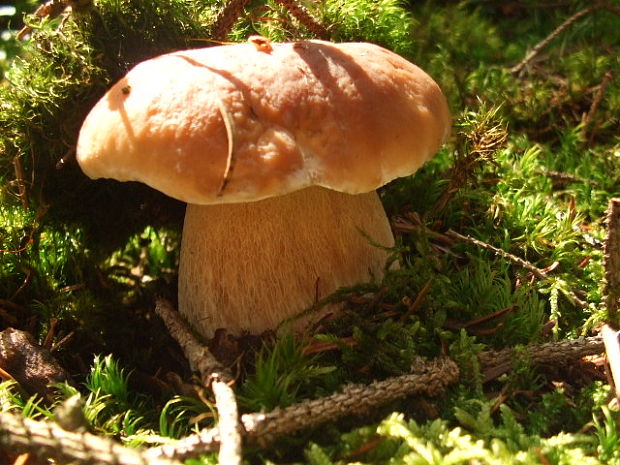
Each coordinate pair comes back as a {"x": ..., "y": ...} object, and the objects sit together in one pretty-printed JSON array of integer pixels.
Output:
[
  {"x": 261, "y": 429},
  {"x": 302, "y": 15},
  {"x": 22, "y": 192},
  {"x": 596, "y": 102},
  {"x": 612, "y": 350},
  {"x": 564, "y": 178},
  {"x": 47, "y": 440},
  {"x": 227, "y": 18},
  {"x": 518, "y": 68},
  {"x": 22, "y": 459},
  {"x": 52, "y": 9},
  {"x": 432, "y": 379},
  {"x": 496, "y": 363},
  {"x": 502, "y": 253},
  {"x": 540, "y": 274},
  {"x": 612, "y": 260},
  {"x": 213, "y": 375},
  {"x": 233, "y": 9}
]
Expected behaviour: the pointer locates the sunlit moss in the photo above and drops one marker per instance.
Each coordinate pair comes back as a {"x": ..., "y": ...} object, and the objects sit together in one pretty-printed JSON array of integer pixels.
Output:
[{"x": 88, "y": 258}]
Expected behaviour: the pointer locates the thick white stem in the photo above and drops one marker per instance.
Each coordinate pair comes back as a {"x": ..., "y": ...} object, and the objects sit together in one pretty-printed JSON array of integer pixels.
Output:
[{"x": 247, "y": 267}]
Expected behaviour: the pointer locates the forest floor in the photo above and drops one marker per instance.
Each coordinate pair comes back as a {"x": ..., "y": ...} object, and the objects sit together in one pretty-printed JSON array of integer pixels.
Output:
[{"x": 492, "y": 342}]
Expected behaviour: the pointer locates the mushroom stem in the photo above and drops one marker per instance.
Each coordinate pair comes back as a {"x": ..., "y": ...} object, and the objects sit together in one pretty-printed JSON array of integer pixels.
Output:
[{"x": 249, "y": 266}]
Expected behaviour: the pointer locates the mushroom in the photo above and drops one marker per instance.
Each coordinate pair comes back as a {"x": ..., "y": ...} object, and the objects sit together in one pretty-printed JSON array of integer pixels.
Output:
[{"x": 278, "y": 149}]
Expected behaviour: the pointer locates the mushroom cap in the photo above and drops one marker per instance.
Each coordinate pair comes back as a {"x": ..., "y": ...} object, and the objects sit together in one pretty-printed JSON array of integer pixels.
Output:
[{"x": 243, "y": 122}]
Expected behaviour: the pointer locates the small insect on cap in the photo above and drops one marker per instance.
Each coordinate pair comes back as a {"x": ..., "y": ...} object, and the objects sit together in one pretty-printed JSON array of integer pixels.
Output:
[{"x": 245, "y": 122}]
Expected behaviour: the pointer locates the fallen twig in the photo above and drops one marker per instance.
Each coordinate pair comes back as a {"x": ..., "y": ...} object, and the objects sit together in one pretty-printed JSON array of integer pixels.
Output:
[
  {"x": 564, "y": 178},
  {"x": 52, "y": 9},
  {"x": 611, "y": 8},
  {"x": 433, "y": 378},
  {"x": 261, "y": 429},
  {"x": 596, "y": 102},
  {"x": 412, "y": 306},
  {"x": 47, "y": 440},
  {"x": 612, "y": 260},
  {"x": 612, "y": 350},
  {"x": 212, "y": 374},
  {"x": 496, "y": 363},
  {"x": 497, "y": 251},
  {"x": 540, "y": 274},
  {"x": 199, "y": 356},
  {"x": 302, "y": 15},
  {"x": 22, "y": 459},
  {"x": 429, "y": 378},
  {"x": 518, "y": 68},
  {"x": 227, "y": 18},
  {"x": 22, "y": 191}
]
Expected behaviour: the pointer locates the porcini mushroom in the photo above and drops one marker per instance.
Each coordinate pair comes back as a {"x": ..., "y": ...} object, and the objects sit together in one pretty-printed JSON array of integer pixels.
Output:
[{"x": 278, "y": 149}]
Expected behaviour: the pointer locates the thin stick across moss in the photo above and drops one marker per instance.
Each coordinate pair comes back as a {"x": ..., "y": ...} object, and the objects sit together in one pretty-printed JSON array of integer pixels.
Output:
[
  {"x": 518, "y": 68},
  {"x": 212, "y": 374},
  {"x": 429, "y": 378},
  {"x": 612, "y": 261}
]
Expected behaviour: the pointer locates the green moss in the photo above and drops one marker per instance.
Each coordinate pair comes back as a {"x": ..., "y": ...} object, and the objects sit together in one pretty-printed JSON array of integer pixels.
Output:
[
  {"x": 87, "y": 258},
  {"x": 384, "y": 22},
  {"x": 283, "y": 375}
]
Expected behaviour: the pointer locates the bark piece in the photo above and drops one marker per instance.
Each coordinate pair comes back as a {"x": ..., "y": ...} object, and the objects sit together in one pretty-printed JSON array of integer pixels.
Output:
[{"x": 32, "y": 366}]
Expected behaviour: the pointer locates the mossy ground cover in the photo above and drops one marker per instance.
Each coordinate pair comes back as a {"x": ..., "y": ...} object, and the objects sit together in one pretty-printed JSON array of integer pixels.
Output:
[{"x": 530, "y": 168}]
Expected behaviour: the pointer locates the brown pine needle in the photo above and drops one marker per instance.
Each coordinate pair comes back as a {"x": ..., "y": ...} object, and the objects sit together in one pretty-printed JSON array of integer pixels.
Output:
[
  {"x": 483, "y": 319},
  {"x": 413, "y": 306}
]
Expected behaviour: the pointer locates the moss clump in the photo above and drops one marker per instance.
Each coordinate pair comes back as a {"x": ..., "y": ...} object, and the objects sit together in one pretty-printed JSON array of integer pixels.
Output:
[
  {"x": 63, "y": 70},
  {"x": 83, "y": 260}
]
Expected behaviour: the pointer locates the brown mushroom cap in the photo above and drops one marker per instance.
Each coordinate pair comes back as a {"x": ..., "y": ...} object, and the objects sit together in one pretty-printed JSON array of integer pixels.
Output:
[{"x": 237, "y": 123}]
